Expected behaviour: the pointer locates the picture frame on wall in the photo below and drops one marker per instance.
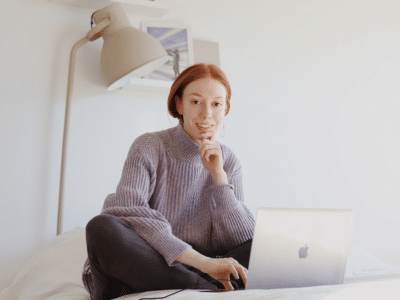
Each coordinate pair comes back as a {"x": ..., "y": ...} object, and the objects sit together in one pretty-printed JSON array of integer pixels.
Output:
[{"x": 178, "y": 43}]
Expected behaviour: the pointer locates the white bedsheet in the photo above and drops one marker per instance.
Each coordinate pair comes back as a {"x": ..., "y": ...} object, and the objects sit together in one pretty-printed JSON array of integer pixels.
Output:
[
  {"x": 377, "y": 290},
  {"x": 54, "y": 273}
]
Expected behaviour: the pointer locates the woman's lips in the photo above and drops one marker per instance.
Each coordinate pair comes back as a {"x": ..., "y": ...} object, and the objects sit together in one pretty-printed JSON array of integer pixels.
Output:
[
  {"x": 204, "y": 126},
  {"x": 204, "y": 129}
]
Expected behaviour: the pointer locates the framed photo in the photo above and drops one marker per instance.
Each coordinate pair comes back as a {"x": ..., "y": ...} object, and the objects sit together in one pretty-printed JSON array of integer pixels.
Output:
[{"x": 177, "y": 41}]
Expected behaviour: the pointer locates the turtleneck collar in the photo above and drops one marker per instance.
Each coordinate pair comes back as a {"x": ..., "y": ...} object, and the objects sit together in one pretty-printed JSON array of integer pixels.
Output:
[{"x": 182, "y": 146}]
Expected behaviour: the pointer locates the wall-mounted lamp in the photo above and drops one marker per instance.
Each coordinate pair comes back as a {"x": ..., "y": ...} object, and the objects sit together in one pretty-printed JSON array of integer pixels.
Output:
[{"x": 127, "y": 52}]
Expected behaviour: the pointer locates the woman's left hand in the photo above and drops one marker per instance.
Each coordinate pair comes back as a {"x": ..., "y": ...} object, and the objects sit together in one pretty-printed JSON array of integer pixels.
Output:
[
  {"x": 218, "y": 268},
  {"x": 211, "y": 156},
  {"x": 221, "y": 269}
]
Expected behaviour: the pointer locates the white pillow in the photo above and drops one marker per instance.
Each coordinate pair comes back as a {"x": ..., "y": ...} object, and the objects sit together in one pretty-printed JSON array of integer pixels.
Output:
[
  {"x": 361, "y": 264},
  {"x": 54, "y": 272}
]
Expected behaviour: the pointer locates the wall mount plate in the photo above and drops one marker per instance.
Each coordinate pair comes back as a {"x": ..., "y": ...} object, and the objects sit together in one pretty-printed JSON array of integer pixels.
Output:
[{"x": 135, "y": 7}]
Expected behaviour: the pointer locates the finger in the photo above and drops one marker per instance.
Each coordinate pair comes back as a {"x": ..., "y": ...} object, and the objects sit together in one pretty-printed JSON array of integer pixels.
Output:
[
  {"x": 240, "y": 269},
  {"x": 212, "y": 138},
  {"x": 234, "y": 272},
  {"x": 234, "y": 262},
  {"x": 209, "y": 150},
  {"x": 227, "y": 284},
  {"x": 203, "y": 151},
  {"x": 203, "y": 144},
  {"x": 209, "y": 136},
  {"x": 206, "y": 140},
  {"x": 243, "y": 274}
]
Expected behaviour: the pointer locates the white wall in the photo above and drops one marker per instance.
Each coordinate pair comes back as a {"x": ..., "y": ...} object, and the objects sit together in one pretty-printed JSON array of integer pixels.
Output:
[{"x": 314, "y": 118}]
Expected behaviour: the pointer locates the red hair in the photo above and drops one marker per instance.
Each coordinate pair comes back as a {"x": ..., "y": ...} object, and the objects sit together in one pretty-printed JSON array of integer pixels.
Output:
[{"x": 193, "y": 73}]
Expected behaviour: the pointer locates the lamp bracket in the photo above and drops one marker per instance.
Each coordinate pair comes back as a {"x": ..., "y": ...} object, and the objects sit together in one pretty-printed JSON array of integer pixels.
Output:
[{"x": 98, "y": 30}]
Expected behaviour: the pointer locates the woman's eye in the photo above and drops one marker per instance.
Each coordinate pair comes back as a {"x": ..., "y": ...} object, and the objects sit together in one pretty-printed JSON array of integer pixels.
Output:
[
  {"x": 217, "y": 104},
  {"x": 195, "y": 102}
]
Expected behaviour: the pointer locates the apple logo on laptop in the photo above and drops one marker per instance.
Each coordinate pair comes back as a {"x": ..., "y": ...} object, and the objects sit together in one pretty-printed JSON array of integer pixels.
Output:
[{"x": 303, "y": 251}]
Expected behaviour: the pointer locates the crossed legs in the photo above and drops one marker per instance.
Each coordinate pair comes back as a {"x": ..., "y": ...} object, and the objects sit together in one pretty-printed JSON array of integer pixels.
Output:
[{"x": 122, "y": 262}]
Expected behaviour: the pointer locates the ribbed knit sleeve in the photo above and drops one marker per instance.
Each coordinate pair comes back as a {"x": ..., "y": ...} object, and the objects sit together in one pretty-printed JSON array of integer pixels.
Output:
[
  {"x": 131, "y": 200},
  {"x": 233, "y": 223}
]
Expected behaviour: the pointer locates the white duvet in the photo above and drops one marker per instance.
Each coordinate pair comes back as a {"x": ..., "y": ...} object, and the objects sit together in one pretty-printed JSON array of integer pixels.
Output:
[{"x": 54, "y": 272}]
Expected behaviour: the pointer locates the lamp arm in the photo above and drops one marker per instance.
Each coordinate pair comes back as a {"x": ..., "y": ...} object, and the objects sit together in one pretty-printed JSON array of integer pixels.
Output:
[{"x": 65, "y": 134}]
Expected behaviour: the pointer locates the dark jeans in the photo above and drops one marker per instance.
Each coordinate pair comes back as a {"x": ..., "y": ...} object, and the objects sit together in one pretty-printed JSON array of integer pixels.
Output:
[{"x": 122, "y": 263}]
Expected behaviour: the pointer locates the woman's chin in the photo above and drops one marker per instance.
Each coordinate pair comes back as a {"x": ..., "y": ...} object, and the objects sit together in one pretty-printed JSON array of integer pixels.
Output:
[{"x": 199, "y": 136}]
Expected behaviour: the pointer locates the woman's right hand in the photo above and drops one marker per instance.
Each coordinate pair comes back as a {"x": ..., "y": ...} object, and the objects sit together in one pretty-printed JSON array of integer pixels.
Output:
[{"x": 222, "y": 268}]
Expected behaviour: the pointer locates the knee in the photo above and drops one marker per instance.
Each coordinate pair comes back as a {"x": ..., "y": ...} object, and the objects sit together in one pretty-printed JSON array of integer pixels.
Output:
[{"x": 99, "y": 226}]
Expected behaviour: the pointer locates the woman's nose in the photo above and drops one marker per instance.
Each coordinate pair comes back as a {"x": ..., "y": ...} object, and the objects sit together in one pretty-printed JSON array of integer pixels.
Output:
[{"x": 206, "y": 111}]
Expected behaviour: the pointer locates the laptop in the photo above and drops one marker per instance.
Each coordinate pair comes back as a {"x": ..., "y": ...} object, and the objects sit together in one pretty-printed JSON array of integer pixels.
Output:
[{"x": 299, "y": 247}]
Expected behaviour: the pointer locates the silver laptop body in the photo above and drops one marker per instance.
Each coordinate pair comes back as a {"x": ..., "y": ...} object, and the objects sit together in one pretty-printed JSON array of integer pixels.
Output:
[{"x": 299, "y": 247}]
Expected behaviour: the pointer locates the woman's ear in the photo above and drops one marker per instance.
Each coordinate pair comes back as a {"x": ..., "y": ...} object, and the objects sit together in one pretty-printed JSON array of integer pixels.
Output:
[
  {"x": 178, "y": 104},
  {"x": 227, "y": 107}
]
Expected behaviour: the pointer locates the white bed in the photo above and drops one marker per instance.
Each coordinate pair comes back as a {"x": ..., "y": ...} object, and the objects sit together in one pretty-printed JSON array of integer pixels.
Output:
[{"x": 54, "y": 272}]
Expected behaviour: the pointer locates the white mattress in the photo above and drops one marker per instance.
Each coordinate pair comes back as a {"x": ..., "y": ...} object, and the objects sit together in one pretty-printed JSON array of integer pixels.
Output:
[{"x": 54, "y": 272}]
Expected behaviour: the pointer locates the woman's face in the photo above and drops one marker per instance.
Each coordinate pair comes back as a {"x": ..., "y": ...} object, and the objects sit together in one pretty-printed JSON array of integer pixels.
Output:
[{"x": 203, "y": 107}]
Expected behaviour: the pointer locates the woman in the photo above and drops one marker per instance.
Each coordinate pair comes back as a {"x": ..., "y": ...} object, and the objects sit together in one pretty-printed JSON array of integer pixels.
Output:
[{"x": 177, "y": 219}]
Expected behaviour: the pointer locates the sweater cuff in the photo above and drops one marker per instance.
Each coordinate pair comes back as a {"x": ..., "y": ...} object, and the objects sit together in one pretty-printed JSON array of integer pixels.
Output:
[
  {"x": 171, "y": 248},
  {"x": 224, "y": 197}
]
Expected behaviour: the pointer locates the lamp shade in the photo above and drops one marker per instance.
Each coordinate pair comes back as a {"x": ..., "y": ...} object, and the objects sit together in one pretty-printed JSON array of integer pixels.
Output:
[{"x": 127, "y": 52}]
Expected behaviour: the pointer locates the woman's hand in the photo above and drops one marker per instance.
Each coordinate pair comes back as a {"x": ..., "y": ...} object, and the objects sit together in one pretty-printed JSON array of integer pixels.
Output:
[
  {"x": 222, "y": 268},
  {"x": 217, "y": 268},
  {"x": 211, "y": 156}
]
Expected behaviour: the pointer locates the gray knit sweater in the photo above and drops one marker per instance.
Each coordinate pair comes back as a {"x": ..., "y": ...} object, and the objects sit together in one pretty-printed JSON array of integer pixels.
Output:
[{"x": 169, "y": 198}]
